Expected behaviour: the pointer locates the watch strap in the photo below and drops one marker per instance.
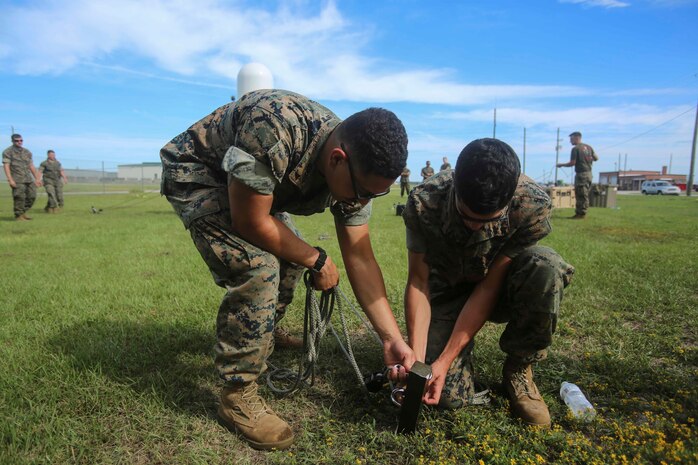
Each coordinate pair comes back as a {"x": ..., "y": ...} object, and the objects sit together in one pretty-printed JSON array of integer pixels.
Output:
[{"x": 320, "y": 262}]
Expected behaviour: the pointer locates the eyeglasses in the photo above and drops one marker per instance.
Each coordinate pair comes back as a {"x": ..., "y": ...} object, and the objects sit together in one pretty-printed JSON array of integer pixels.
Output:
[
  {"x": 367, "y": 196},
  {"x": 17, "y": 140},
  {"x": 469, "y": 218}
]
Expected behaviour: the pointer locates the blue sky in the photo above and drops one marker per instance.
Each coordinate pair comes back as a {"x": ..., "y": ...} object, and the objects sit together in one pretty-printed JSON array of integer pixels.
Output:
[{"x": 113, "y": 81}]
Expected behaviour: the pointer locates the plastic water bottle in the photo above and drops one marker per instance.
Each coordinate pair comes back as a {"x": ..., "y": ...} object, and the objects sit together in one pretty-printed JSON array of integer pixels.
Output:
[{"x": 580, "y": 407}]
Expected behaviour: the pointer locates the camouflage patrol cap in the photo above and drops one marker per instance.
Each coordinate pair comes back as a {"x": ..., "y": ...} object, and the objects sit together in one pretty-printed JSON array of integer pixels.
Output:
[{"x": 576, "y": 133}]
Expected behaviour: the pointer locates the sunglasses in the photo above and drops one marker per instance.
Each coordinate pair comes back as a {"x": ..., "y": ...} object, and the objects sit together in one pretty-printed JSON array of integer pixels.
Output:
[{"x": 359, "y": 196}]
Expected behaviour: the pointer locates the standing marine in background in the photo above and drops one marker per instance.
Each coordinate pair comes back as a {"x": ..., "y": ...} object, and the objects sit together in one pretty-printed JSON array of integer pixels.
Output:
[
  {"x": 473, "y": 257},
  {"x": 405, "y": 182},
  {"x": 53, "y": 179},
  {"x": 234, "y": 178},
  {"x": 21, "y": 176},
  {"x": 581, "y": 157},
  {"x": 427, "y": 171},
  {"x": 445, "y": 165}
]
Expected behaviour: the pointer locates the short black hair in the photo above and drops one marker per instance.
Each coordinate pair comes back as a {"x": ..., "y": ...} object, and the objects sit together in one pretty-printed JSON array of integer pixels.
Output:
[
  {"x": 16, "y": 136},
  {"x": 50, "y": 151},
  {"x": 378, "y": 140},
  {"x": 486, "y": 175},
  {"x": 576, "y": 133}
]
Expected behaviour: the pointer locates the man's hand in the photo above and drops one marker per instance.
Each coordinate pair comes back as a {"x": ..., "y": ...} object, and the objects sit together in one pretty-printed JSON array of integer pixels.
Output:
[
  {"x": 38, "y": 183},
  {"x": 399, "y": 357},
  {"x": 12, "y": 183},
  {"x": 436, "y": 384},
  {"x": 327, "y": 277}
]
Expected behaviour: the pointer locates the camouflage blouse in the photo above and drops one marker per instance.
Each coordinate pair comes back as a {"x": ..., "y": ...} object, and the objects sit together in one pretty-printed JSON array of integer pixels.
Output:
[
  {"x": 19, "y": 159},
  {"x": 454, "y": 253},
  {"x": 51, "y": 170},
  {"x": 269, "y": 140}
]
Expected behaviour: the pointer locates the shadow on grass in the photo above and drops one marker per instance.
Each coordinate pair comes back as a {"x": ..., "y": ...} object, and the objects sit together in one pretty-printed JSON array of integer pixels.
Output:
[{"x": 175, "y": 362}]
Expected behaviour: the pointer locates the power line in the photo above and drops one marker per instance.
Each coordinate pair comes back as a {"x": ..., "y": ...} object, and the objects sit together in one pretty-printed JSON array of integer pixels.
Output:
[{"x": 649, "y": 130}]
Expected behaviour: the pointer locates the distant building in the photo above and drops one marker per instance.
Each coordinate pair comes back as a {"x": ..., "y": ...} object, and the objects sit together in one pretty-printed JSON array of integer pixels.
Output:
[
  {"x": 632, "y": 180},
  {"x": 143, "y": 171},
  {"x": 78, "y": 175}
]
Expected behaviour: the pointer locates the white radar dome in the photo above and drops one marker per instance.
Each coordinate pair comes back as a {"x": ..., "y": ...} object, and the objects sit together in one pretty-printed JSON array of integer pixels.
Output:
[{"x": 254, "y": 76}]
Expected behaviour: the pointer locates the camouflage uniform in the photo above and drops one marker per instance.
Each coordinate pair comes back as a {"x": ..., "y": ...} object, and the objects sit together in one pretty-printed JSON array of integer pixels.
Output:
[
  {"x": 445, "y": 166},
  {"x": 269, "y": 141},
  {"x": 53, "y": 182},
  {"x": 427, "y": 171},
  {"x": 24, "y": 195},
  {"x": 404, "y": 182},
  {"x": 584, "y": 156},
  {"x": 459, "y": 258}
]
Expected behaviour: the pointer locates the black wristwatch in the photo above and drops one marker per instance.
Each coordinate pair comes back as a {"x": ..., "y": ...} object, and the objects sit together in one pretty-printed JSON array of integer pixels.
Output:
[{"x": 320, "y": 262}]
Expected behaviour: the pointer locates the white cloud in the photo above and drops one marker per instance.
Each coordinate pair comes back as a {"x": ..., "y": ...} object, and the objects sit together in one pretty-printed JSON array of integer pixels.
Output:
[
  {"x": 310, "y": 51},
  {"x": 625, "y": 115},
  {"x": 600, "y": 3}
]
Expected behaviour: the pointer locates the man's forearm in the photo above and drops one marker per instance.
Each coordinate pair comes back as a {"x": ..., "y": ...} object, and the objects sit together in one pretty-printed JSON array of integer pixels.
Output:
[
  {"x": 251, "y": 219},
  {"x": 367, "y": 280},
  {"x": 418, "y": 319},
  {"x": 477, "y": 310},
  {"x": 274, "y": 237},
  {"x": 8, "y": 174},
  {"x": 367, "y": 283}
]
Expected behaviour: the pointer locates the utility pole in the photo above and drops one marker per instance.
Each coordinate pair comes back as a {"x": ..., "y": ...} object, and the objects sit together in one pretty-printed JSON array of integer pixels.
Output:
[
  {"x": 524, "y": 153},
  {"x": 618, "y": 169},
  {"x": 494, "y": 126},
  {"x": 689, "y": 186},
  {"x": 671, "y": 159},
  {"x": 557, "y": 154}
]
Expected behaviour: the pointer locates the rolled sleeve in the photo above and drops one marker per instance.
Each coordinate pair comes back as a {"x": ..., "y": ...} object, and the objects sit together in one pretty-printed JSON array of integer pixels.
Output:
[
  {"x": 414, "y": 238},
  {"x": 415, "y": 241},
  {"x": 357, "y": 217},
  {"x": 247, "y": 170}
]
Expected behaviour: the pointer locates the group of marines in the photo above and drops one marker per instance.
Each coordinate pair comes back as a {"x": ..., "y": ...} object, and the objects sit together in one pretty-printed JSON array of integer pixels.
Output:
[{"x": 24, "y": 178}]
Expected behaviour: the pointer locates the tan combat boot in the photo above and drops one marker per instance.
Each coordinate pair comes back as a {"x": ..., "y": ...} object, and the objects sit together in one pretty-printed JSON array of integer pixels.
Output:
[
  {"x": 285, "y": 340},
  {"x": 242, "y": 409},
  {"x": 526, "y": 401},
  {"x": 20, "y": 218}
]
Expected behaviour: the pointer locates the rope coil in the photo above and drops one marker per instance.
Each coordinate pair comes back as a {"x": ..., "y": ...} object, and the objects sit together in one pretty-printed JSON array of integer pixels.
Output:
[{"x": 316, "y": 322}]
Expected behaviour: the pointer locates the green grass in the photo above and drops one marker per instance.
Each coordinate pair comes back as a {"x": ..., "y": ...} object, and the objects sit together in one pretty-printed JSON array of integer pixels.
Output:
[{"x": 108, "y": 326}]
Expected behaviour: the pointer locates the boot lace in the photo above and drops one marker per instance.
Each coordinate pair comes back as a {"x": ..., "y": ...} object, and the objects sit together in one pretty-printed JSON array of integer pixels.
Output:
[
  {"x": 520, "y": 381},
  {"x": 254, "y": 401}
]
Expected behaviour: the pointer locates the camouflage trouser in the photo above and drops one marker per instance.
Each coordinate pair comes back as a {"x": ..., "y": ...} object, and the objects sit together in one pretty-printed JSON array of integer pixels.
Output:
[
  {"x": 404, "y": 188},
  {"x": 24, "y": 196},
  {"x": 259, "y": 288},
  {"x": 529, "y": 303},
  {"x": 582, "y": 186},
  {"x": 55, "y": 195}
]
